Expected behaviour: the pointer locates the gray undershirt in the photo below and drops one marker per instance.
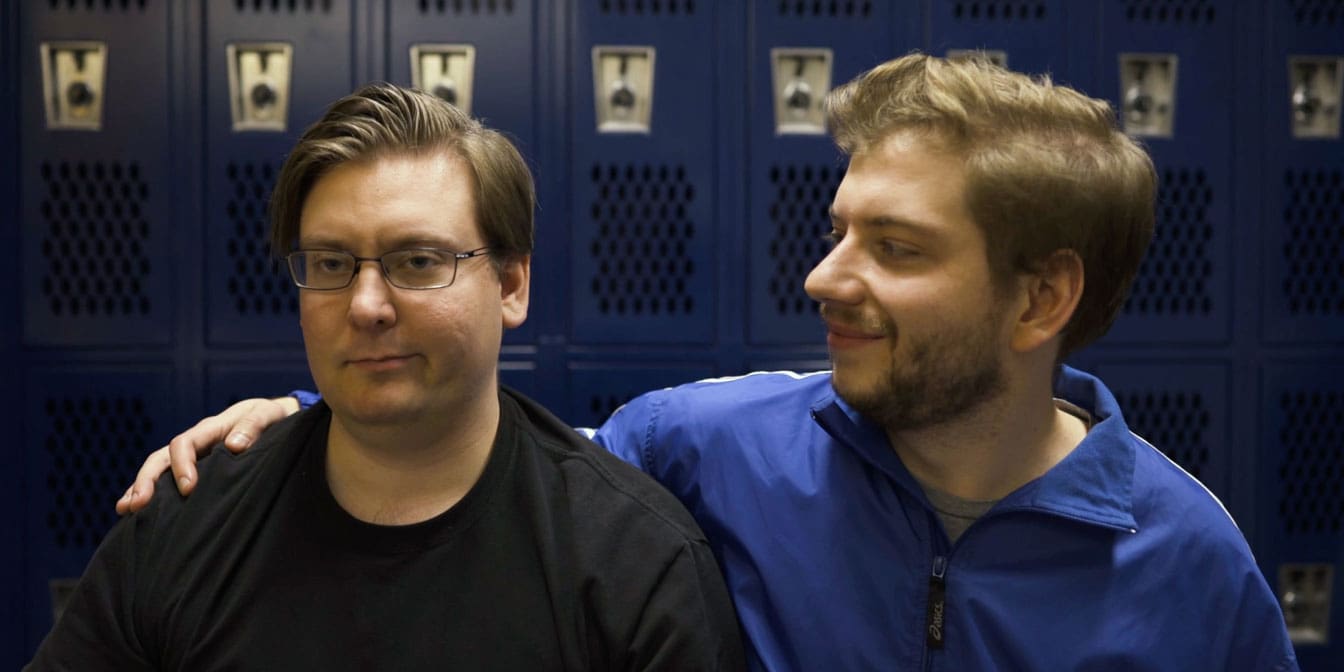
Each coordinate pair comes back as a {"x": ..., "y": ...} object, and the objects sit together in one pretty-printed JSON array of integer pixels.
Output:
[{"x": 956, "y": 513}]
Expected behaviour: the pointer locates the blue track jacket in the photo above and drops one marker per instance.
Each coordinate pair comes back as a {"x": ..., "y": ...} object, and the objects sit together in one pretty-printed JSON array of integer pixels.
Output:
[{"x": 1115, "y": 559}]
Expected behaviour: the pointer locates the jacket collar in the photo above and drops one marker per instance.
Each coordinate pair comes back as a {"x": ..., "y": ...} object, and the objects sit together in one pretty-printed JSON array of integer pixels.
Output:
[{"x": 1093, "y": 484}]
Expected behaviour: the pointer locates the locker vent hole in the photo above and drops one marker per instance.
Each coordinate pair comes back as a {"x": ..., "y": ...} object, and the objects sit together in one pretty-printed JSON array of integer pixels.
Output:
[
  {"x": 800, "y": 215},
  {"x": 1313, "y": 218},
  {"x": 1317, "y": 12},
  {"x": 1311, "y": 470},
  {"x": 1003, "y": 10},
  {"x": 95, "y": 445},
  {"x": 1175, "y": 422},
  {"x": 257, "y": 284},
  {"x": 1174, "y": 276},
  {"x": 829, "y": 8},
  {"x": 290, "y": 6},
  {"x": 641, "y": 252},
  {"x": 654, "y": 7},
  {"x": 1170, "y": 11},
  {"x": 92, "y": 5},
  {"x": 97, "y": 231},
  {"x": 466, "y": 6}
]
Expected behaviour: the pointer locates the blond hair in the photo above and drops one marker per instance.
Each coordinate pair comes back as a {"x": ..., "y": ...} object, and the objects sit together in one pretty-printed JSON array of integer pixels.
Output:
[{"x": 1047, "y": 168}]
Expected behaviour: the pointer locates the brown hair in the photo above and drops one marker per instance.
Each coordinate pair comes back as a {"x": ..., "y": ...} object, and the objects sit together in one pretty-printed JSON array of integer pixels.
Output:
[
  {"x": 382, "y": 119},
  {"x": 1047, "y": 168}
]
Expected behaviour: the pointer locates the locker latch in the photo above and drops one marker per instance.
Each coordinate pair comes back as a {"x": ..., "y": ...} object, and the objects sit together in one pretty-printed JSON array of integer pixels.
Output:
[
  {"x": 623, "y": 88},
  {"x": 445, "y": 71},
  {"x": 801, "y": 78},
  {"x": 1148, "y": 94},
  {"x": 1316, "y": 88},
  {"x": 73, "y": 76},
  {"x": 1304, "y": 594},
  {"x": 259, "y": 83}
]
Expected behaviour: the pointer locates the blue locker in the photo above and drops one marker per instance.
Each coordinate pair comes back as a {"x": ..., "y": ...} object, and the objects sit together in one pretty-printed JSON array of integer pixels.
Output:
[
  {"x": 86, "y": 431},
  {"x": 642, "y": 248},
  {"x": 97, "y": 207},
  {"x": 1301, "y": 469},
  {"x": 1303, "y": 233},
  {"x": 1183, "y": 290},
  {"x": 249, "y": 299}
]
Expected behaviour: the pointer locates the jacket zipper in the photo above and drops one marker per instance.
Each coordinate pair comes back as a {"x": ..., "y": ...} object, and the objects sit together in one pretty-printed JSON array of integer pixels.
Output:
[{"x": 936, "y": 615}]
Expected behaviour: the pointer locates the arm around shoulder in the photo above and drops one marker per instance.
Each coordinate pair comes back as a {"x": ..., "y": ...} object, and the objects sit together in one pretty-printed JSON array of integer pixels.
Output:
[
  {"x": 238, "y": 426},
  {"x": 627, "y": 432}
]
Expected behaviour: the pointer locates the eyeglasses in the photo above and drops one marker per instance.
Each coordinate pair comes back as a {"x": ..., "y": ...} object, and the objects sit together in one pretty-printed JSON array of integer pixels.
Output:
[{"x": 414, "y": 268}]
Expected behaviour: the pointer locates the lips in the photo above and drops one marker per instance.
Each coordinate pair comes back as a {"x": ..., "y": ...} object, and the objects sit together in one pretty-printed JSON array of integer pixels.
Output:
[
  {"x": 377, "y": 358},
  {"x": 380, "y": 362},
  {"x": 847, "y": 331},
  {"x": 839, "y": 341},
  {"x": 844, "y": 329}
]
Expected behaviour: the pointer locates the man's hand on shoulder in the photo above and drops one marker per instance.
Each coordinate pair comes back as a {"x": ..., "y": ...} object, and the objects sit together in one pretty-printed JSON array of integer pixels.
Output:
[{"x": 237, "y": 426}]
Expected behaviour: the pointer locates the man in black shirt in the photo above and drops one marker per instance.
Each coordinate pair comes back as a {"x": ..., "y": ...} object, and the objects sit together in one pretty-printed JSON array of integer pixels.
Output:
[{"x": 421, "y": 517}]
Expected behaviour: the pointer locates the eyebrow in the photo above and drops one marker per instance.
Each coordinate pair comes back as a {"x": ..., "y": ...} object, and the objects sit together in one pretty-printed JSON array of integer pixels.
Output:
[
  {"x": 400, "y": 242},
  {"x": 890, "y": 222}
]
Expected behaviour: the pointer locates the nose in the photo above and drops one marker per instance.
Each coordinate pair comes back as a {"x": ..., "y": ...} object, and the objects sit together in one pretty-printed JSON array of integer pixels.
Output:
[
  {"x": 834, "y": 279},
  {"x": 371, "y": 297}
]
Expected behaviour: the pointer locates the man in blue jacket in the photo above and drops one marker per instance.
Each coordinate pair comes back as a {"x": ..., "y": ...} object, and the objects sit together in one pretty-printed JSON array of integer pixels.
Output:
[{"x": 948, "y": 497}]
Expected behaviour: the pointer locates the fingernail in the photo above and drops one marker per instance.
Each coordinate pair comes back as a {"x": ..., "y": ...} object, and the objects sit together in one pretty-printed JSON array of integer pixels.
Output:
[
  {"x": 237, "y": 438},
  {"x": 183, "y": 482}
]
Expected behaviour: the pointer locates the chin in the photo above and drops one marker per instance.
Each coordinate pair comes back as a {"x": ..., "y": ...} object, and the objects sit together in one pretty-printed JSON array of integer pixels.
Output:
[
  {"x": 375, "y": 408},
  {"x": 855, "y": 387},
  {"x": 379, "y": 415}
]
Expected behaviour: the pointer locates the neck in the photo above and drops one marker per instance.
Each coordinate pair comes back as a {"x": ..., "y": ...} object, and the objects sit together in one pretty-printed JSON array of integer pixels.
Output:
[
  {"x": 400, "y": 474},
  {"x": 995, "y": 448}
]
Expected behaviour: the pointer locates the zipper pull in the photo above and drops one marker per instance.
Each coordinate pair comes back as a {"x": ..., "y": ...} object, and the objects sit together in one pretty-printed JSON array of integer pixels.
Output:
[{"x": 937, "y": 605}]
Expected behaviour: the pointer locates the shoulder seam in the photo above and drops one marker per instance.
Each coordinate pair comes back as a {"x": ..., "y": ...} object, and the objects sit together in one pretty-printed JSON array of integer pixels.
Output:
[
  {"x": 682, "y": 532},
  {"x": 646, "y": 449},
  {"x": 1187, "y": 474}
]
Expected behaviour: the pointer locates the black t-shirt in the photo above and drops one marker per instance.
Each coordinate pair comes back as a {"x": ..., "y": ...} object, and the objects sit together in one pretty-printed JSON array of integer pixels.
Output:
[{"x": 561, "y": 557}]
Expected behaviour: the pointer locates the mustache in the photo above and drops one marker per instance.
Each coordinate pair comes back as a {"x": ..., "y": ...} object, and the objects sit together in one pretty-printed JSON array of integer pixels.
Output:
[{"x": 855, "y": 319}]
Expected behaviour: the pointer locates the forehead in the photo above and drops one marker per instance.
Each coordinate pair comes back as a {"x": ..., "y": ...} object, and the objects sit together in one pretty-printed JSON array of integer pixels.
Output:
[
  {"x": 907, "y": 177},
  {"x": 427, "y": 197}
]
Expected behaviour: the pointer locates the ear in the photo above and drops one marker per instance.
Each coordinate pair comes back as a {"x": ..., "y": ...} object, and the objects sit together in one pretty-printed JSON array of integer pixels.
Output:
[
  {"x": 515, "y": 280},
  {"x": 1051, "y": 296}
]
